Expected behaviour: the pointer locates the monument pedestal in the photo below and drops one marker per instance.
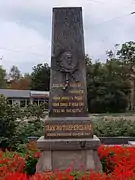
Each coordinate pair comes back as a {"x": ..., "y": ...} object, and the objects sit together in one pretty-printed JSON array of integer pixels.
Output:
[
  {"x": 63, "y": 153},
  {"x": 68, "y": 135}
]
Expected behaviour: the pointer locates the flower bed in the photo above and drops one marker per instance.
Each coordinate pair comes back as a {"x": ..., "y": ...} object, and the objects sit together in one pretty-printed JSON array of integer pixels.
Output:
[{"x": 118, "y": 164}]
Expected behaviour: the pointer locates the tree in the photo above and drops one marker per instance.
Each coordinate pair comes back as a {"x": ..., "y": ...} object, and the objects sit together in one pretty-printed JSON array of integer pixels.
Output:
[
  {"x": 15, "y": 73},
  {"x": 127, "y": 56},
  {"x": 2, "y": 77},
  {"x": 21, "y": 84},
  {"x": 40, "y": 77},
  {"x": 108, "y": 88}
]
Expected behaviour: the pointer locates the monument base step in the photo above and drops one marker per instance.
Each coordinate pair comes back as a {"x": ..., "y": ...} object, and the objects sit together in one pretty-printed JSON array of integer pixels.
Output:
[{"x": 61, "y": 154}]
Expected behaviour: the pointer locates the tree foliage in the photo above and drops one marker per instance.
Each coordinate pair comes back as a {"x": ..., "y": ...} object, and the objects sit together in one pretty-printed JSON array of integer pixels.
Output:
[
  {"x": 18, "y": 81},
  {"x": 2, "y": 78},
  {"x": 109, "y": 83},
  {"x": 21, "y": 84},
  {"x": 40, "y": 77},
  {"x": 108, "y": 87},
  {"x": 15, "y": 73}
]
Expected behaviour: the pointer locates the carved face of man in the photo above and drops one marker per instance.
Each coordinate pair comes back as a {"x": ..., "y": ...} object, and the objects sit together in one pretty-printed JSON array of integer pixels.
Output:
[
  {"x": 68, "y": 58},
  {"x": 66, "y": 62}
]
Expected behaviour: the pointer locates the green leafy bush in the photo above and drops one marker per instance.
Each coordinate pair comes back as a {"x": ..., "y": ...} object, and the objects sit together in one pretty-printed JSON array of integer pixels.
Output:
[
  {"x": 17, "y": 124},
  {"x": 8, "y": 124},
  {"x": 102, "y": 128},
  {"x": 34, "y": 110},
  {"x": 32, "y": 157},
  {"x": 113, "y": 128},
  {"x": 26, "y": 129},
  {"x": 30, "y": 164}
]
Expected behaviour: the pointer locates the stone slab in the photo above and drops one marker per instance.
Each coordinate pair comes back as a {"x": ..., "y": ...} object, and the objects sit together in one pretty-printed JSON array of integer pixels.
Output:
[
  {"x": 62, "y": 160},
  {"x": 68, "y": 144},
  {"x": 90, "y": 157},
  {"x": 68, "y": 127},
  {"x": 45, "y": 161}
]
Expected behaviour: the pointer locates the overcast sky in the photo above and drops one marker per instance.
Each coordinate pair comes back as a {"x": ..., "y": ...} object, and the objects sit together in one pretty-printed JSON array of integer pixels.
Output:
[{"x": 25, "y": 28}]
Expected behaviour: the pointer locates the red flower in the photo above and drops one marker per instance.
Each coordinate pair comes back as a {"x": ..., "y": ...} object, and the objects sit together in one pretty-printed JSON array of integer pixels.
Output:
[
  {"x": 37, "y": 155},
  {"x": 119, "y": 164}
]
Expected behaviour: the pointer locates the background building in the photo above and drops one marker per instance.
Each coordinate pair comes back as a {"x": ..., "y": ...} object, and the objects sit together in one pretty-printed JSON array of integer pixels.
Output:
[{"x": 25, "y": 97}]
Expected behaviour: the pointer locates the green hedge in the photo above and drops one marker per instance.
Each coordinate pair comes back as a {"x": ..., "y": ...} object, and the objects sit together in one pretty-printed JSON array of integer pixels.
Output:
[
  {"x": 102, "y": 128},
  {"x": 113, "y": 128}
]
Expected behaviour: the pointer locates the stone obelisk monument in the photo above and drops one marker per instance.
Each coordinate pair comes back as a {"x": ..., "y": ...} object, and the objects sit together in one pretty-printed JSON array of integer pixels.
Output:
[{"x": 68, "y": 136}]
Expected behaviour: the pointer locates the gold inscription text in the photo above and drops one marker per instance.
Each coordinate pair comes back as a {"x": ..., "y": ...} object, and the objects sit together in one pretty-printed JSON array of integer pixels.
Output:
[{"x": 68, "y": 127}]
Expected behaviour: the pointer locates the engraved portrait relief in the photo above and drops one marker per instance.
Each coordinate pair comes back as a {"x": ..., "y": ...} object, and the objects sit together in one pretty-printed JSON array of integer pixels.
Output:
[{"x": 68, "y": 66}]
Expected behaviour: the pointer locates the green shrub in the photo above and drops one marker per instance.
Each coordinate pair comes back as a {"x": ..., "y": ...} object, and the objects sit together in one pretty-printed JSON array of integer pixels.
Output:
[
  {"x": 113, "y": 128},
  {"x": 32, "y": 157},
  {"x": 8, "y": 123},
  {"x": 17, "y": 124},
  {"x": 34, "y": 110},
  {"x": 26, "y": 129},
  {"x": 30, "y": 164}
]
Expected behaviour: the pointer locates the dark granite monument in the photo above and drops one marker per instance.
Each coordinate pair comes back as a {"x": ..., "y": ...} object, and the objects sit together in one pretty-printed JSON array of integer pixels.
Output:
[{"x": 68, "y": 136}]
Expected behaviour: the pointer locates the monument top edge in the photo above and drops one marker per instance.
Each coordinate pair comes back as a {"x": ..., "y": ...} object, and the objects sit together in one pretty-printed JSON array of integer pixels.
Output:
[{"x": 55, "y": 8}]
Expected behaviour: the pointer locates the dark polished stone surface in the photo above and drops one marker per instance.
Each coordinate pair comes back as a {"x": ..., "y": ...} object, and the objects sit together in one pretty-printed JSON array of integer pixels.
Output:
[{"x": 68, "y": 90}]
